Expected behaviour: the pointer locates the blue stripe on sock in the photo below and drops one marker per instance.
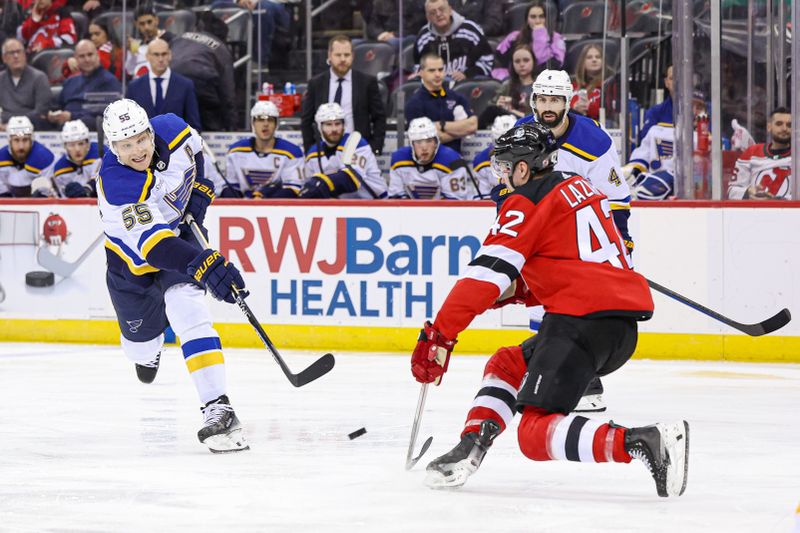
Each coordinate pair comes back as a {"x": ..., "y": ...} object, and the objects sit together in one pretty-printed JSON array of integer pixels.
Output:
[{"x": 203, "y": 344}]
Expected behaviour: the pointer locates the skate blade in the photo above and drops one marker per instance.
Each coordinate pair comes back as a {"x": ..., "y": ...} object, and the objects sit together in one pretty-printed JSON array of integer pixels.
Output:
[
  {"x": 227, "y": 442},
  {"x": 456, "y": 479},
  {"x": 678, "y": 469},
  {"x": 591, "y": 403}
]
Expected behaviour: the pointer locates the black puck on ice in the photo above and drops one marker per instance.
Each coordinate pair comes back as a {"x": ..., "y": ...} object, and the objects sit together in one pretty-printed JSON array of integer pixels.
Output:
[
  {"x": 357, "y": 433},
  {"x": 40, "y": 278}
]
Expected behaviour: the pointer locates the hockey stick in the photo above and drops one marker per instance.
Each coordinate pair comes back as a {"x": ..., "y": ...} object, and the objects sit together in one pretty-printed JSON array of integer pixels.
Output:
[
  {"x": 769, "y": 325},
  {"x": 350, "y": 147},
  {"x": 210, "y": 154},
  {"x": 58, "y": 266},
  {"x": 410, "y": 459},
  {"x": 317, "y": 369}
]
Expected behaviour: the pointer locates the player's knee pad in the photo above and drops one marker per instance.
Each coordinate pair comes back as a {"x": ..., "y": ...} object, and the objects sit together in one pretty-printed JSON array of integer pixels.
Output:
[
  {"x": 507, "y": 364},
  {"x": 188, "y": 313},
  {"x": 534, "y": 432},
  {"x": 142, "y": 352}
]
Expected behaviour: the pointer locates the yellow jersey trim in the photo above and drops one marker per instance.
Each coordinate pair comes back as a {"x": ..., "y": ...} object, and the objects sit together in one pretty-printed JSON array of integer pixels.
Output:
[
  {"x": 352, "y": 177},
  {"x": 137, "y": 270},
  {"x": 154, "y": 239},
  {"x": 181, "y": 136},
  {"x": 442, "y": 167},
  {"x": 147, "y": 184},
  {"x": 240, "y": 149},
  {"x": 32, "y": 169},
  {"x": 326, "y": 179},
  {"x": 577, "y": 151},
  {"x": 403, "y": 164}
]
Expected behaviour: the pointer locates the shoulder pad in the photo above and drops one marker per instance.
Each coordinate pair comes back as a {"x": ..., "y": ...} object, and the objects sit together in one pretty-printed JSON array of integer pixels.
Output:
[
  {"x": 5, "y": 155},
  {"x": 287, "y": 146},
  {"x": 63, "y": 165},
  {"x": 123, "y": 185},
  {"x": 40, "y": 157},
  {"x": 172, "y": 129},
  {"x": 585, "y": 138},
  {"x": 242, "y": 145},
  {"x": 402, "y": 157},
  {"x": 536, "y": 190},
  {"x": 525, "y": 120},
  {"x": 94, "y": 152},
  {"x": 312, "y": 152},
  {"x": 482, "y": 156},
  {"x": 446, "y": 156}
]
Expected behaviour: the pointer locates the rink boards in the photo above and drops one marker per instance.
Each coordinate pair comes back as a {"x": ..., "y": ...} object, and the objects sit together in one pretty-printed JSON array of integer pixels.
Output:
[{"x": 354, "y": 275}]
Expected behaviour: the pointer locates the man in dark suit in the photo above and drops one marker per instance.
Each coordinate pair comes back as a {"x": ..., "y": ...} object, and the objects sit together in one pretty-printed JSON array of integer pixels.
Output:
[
  {"x": 164, "y": 91},
  {"x": 357, "y": 93}
]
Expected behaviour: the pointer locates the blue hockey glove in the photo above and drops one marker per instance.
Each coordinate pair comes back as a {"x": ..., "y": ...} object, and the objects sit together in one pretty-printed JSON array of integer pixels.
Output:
[
  {"x": 499, "y": 193},
  {"x": 217, "y": 275},
  {"x": 75, "y": 190},
  {"x": 201, "y": 197}
]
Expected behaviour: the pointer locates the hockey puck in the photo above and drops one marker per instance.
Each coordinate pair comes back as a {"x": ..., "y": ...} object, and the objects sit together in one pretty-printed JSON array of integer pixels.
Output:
[
  {"x": 357, "y": 433},
  {"x": 40, "y": 278}
]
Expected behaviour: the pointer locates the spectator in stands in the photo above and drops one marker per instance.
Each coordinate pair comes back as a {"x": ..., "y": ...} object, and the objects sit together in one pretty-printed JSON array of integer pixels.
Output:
[
  {"x": 447, "y": 109},
  {"x": 547, "y": 46},
  {"x": 587, "y": 82},
  {"x": 488, "y": 12},
  {"x": 23, "y": 160},
  {"x": 262, "y": 166},
  {"x": 383, "y": 24},
  {"x": 327, "y": 174},
  {"x": 11, "y": 18},
  {"x": 109, "y": 51},
  {"x": 426, "y": 170},
  {"x": 357, "y": 93},
  {"x": 204, "y": 58},
  {"x": 764, "y": 171},
  {"x": 272, "y": 18},
  {"x": 147, "y": 25},
  {"x": 514, "y": 94},
  {"x": 49, "y": 25},
  {"x": 163, "y": 91},
  {"x": 23, "y": 89},
  {"x": 73, "y": 174},
  {"x": 92, "y": 79},
  {"x": 460, "y": 42},
  {"x": 660, "y": 112}
]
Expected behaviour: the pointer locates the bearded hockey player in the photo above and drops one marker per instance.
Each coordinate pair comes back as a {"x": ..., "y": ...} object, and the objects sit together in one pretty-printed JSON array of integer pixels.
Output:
[
  {"x": 23, "y": 159},
  {"x": 331, "y": 171},
  {"x": 428, "y": 170},
  {"x": 263, "y": 166},
  {"x": 74, "y": 172},
  {"x": 150, "y": 180},
  {"x": 554, "y": 242}
]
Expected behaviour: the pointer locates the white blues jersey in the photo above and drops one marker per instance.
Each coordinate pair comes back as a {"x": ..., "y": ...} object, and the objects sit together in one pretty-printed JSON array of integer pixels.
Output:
[
  {"x": 14, "y": 175},
  {"x": 366, "y": 174},
  {"x": 482, "y": 169},
  {"x": 654, "y": 153},
  {"x": 250, "y": 170},
  {"x": 444, "y": 177},
  {"x": 139, "y": 209},
  {"x": 66, "y": 171}
]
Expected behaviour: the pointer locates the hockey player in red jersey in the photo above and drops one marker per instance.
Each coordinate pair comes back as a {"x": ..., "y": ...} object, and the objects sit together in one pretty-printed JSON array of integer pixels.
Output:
[{"x": 554, "y": 242}]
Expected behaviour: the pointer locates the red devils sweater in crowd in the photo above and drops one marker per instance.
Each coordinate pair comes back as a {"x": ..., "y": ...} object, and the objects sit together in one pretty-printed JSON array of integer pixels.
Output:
[
  {"x": 558, "y": 234},
  {"x": 55, "y": 29}
]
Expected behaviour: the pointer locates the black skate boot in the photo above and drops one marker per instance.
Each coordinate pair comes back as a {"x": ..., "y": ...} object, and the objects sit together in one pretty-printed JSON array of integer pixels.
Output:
[
  {"x": 664, "y": 450},
  {"x": 592, "y": 399},
  {"x": 452, "y": 469},
  {"x": 221, "y": 430},
  {"x": 147, "y": 372}
]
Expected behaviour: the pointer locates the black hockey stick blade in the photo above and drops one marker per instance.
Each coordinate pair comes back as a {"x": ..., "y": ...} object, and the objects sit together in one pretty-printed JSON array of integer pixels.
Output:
[
  {"x": 425, "y": 445},
  {"x": 769, "y": 325}
]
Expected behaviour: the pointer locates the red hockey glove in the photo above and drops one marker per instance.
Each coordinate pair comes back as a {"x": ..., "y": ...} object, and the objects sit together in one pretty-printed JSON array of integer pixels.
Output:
[
  {"x": 431, "y": 356},
  {"x": 516, "y": 293}
]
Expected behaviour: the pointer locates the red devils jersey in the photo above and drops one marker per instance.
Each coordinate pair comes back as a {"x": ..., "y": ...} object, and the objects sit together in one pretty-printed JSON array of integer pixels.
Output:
[
  {"x": 762, "y": 166},
  {"x": 557, "y": 232}
]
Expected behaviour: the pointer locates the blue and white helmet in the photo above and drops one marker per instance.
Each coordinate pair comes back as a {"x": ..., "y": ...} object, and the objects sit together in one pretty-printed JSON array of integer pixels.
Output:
[
  {"x": 420, "y": 129},
  {"x": 502, "y": 124},
  {"x": 123, "y": 119}
]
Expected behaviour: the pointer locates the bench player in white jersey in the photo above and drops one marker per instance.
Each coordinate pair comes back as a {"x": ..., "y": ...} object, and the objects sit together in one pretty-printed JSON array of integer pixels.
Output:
[
  {"x": 23, "y": 160},
  {"x": 427, "y": 169},
  {"x": 327, "y": 174},
  {"x": 481, "y": 164},
  {"x": 764, "y": 171},
  {"x": 74, "y": 172},
  {"x": 150, "y": 180},
  {"x": 263, "y": 166},
  {"x": 586, "y": 149}
]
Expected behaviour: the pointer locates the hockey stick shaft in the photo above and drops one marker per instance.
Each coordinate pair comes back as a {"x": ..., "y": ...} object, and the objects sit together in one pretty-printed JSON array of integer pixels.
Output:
[
  {"x": 214, "y": 162},
  {"x": 769, "y": 325},
  {"x": 410, "y": 459},
  {"x": 317, "y": 369}
]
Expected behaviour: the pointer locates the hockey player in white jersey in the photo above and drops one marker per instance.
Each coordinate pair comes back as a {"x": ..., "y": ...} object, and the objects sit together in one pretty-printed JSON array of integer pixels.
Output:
[
  {"x": 263, "y": 166},
  {"x": 74, "y": 172},
  {"x": 23, "y": 160},
  {"x": 336, "y": 169},
  {"x": 427, "y": 169},
  {"x": 149, "y": 181},
  {"x": 481, "y": 164}
]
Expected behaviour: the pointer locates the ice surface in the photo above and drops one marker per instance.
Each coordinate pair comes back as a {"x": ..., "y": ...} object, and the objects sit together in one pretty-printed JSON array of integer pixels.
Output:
[{"x": 85, "y": 447}]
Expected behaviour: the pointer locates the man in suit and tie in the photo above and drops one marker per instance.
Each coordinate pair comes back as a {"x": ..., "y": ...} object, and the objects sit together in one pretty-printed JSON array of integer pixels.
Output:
[
  {"x": 164, "y": 91},
  {"x": 357, "y": 93}
]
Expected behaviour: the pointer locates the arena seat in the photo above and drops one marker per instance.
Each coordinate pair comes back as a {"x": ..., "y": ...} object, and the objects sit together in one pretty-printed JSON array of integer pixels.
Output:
[
  {"x": 374, "y": 58},
  {"x": 408, "y": 88},
  {"x": 51, "y": 62},
  {"x": 583, "y": 18},
  {"x": 574, "y": 50},
  {"x": 479, "y": 93},
  {"x": 176, "y": 22},
  {"x": 113, "y": 20},
  {"x": 81, "y": 23}
]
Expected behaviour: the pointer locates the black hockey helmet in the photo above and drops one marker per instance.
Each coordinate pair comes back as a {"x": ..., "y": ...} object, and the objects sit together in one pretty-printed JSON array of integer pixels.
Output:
[{"x": 531, "y": 142}]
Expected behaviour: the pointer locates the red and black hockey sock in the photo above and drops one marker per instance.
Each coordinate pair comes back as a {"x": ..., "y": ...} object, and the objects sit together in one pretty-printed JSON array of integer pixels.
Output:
[
  {"x": 545, "y": 436},
  {"x": 498, "y": 393}
]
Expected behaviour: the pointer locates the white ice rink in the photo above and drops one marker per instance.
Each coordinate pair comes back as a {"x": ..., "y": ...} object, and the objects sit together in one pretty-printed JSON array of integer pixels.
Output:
[{"x": 85, "y": 447}]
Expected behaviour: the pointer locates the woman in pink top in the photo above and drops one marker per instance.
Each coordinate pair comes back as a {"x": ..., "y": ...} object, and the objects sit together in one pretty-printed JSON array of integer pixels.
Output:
[{"x": 548, "y": 46}]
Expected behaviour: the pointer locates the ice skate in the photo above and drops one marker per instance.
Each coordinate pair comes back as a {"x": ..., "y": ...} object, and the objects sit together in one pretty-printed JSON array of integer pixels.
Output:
[
  {"x": 452, "y": 469},
  {"x": 147, "y": 372},
  {"x": 221, "y": 430},
  {"x": 592, "y": 399},
  {"x": 664, "y": 450}
]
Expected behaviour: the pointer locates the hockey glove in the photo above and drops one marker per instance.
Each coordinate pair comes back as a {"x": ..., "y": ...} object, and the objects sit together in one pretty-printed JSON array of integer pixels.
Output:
[
  {"x": 201, "y": 197},
  {"x": 274, "y": 190},
  {"x": 516, "y": 293},
  {"x": 316, "y": 187},
  {"x": 499, "y": 194},
  {"x": 217, "y": 275},
  {"x": 431, "y": 355},
  {"x": 75, "y": 190}
]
